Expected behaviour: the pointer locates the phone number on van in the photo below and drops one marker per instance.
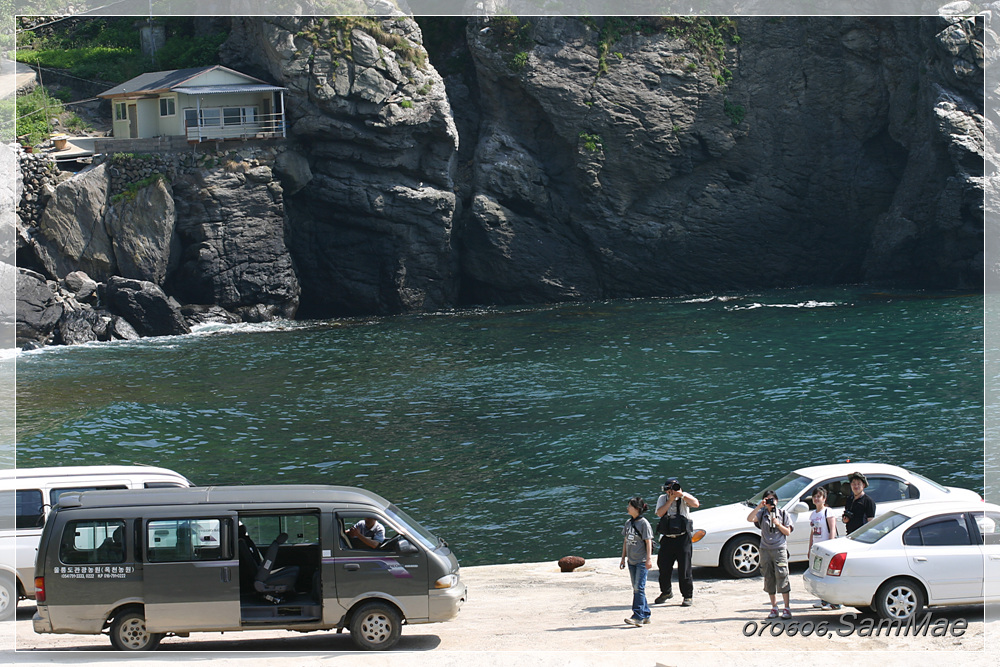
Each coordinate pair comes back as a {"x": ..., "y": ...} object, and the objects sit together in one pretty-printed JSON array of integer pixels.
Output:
[{"x": 100, "y": 572}]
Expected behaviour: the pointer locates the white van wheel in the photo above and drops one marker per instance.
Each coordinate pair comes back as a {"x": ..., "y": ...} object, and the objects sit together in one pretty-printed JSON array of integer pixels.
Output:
[
  {"x": 375, "y": 626},
  {"x": 128, "y": 633},
  {"x": 8, "y": 596}
]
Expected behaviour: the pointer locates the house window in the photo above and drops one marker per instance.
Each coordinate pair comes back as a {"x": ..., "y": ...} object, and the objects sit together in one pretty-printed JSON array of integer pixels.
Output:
[
  {"x": 121, "y": 111},
  {"x": 211, "y": 117},
  {"x": 239, "y": 115},
  {"x": 167, "y": 106}
]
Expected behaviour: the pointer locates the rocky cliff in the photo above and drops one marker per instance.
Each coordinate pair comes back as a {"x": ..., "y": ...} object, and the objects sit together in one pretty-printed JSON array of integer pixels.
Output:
[{"x": 516, "y": 160}]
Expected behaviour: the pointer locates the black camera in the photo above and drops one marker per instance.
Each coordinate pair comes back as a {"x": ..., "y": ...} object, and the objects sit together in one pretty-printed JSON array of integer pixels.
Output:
[
  {"x": 849, "y": 514},
  {"x": 770, "y": 502},
  {"x": 672, "y": 486}
]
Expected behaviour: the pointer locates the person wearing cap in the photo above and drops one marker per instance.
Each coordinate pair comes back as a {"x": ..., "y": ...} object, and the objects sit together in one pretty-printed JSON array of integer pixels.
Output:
[
  {"x": 674, "y": 509},
  {"x": 859, "y": 508}
]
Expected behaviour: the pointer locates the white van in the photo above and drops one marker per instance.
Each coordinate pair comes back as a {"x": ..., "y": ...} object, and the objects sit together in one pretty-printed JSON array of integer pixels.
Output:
[{"x": 26, "y": 497}]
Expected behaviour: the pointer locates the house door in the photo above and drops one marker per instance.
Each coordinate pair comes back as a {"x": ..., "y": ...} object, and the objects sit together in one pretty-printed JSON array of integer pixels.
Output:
[{"x": 133, "y": 122}]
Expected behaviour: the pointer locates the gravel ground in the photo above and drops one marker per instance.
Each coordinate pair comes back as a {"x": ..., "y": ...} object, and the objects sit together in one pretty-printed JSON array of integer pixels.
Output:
[{"x": 548, "y": 617}]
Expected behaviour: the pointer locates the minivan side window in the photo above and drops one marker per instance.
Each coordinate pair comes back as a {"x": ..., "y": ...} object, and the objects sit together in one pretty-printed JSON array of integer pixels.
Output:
[
  {"x": 30, "y": 511},
  {"x": 92, "y": 541},
  {"x": 173, "y": 540},
  {"x": 300, "y": 528}
]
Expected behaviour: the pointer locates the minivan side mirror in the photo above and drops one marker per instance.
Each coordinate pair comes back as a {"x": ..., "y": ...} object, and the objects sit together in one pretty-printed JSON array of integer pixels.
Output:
[
  {"x": 800, "y": 508},
  {"x": 405, "y": 547}
]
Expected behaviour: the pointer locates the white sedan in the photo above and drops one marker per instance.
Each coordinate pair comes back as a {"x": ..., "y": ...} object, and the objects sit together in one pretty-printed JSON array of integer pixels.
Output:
[
  {"x": 723, "y": 536},
  {"x": 920, "y": 554}
]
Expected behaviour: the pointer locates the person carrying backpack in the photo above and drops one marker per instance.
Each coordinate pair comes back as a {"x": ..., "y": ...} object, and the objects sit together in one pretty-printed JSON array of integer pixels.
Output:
[{"x": 674, "y": 510}]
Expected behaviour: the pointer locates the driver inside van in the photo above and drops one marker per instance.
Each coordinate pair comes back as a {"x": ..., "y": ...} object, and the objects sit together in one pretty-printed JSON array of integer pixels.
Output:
[{"x": 370, "y": 532}]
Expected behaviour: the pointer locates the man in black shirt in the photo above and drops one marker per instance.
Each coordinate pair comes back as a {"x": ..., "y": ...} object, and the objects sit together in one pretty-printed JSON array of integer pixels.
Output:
[{"x": 859, "y": 508}]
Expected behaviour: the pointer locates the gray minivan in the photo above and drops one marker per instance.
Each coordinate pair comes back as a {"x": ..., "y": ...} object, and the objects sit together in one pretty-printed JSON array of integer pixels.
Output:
[{"x": 143, "y": 564}]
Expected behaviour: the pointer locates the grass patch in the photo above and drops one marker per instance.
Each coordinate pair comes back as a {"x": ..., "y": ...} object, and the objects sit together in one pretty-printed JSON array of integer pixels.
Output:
[
  {"x": 334, "y": 35},
  {"x": 708, "y": 35},
  {"x": 591, "y": 142},
  {"x": 131, "y": 190},
  {"x": 103, "y": 49},
  {"x": 735, "y": 112},
  {"x": 33, "y": 115}
]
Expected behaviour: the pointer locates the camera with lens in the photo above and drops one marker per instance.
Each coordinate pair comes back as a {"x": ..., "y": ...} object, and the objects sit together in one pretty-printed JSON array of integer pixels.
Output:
[
  {"x": 770, "y": 502},
  {"x": 672, "y": 486},
  {"x": 849, "y": 514}
]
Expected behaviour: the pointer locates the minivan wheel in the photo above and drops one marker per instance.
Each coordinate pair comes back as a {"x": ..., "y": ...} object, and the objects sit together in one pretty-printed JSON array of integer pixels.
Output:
[
  {"x": 375, "y": 626},
  {"x": 128, "y": 633},
  {"x": 899, "y": 600},
  {"x": 8, "y": 596},
  {"x": 741, "y": 557}
]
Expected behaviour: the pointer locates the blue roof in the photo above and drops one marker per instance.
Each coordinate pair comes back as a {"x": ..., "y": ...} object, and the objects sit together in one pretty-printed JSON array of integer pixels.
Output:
[{"x": 162, "y": 82}]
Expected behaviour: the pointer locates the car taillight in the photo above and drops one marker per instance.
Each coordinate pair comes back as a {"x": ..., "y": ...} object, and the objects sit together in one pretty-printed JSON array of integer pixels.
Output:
[
  {"x": 836, "y": 565},
  {"x": 39, "y": 589}
]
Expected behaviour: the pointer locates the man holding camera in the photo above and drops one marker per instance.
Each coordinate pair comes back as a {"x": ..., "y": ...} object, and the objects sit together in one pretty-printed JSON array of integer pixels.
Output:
[
  {"x": 674, "y": 510},
  {"x": 859, "y": 508},
  {"x": 775, "y": 526}
]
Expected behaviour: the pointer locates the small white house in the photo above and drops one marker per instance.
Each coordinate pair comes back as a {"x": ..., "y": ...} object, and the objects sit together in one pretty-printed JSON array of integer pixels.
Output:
[{"x": 199, "y": 103}]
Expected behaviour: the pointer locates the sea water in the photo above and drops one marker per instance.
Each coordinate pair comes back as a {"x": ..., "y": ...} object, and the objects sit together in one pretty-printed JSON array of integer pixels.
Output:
[{"x": 518, "y": 434}]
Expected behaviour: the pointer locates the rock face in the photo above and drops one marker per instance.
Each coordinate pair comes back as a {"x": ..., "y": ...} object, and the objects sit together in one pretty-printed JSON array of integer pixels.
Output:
[
  {"x": 37, "y": 309},
  {"x": 231, "y": 228},
  {"x": 812, "y": 165},
  {"x": 599, "y": 158},
  {"x": 141, "y": 227},
  {"x": 370, "y": 199},
  {"x": 72, "y": 233}
]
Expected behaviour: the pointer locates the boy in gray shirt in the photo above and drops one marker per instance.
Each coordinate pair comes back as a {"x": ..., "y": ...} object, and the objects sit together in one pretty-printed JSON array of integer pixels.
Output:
[{"x": 775, "y": 527}]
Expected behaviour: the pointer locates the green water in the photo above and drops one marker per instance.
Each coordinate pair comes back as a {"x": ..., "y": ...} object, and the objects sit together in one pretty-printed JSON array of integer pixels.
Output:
[{"x": 518, "y": 435}]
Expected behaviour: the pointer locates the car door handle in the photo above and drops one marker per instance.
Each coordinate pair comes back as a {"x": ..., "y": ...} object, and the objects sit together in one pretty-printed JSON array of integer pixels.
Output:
[
  {"x": 994, "y": 557},
  {"x": 920, "y": 559},
  {"x": 225, "y": 575},
  {"x": 352, "y": 567}
]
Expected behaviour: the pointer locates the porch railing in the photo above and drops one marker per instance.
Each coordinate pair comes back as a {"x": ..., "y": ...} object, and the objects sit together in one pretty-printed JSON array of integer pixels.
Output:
[{"x": 263, "y": 126}]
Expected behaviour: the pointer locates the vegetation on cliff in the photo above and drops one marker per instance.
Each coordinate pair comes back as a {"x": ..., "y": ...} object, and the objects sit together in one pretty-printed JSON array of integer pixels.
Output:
[{"x": 109, "y": 49}]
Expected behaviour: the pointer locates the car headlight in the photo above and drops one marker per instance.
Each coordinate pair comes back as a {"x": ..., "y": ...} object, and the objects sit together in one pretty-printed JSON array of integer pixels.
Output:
[
  {"x": 698, "y": 534},
  {"x": 447, "y": 581}
]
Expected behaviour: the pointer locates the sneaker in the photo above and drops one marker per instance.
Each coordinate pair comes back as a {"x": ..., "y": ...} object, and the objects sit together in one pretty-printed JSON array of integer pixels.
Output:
[
  {"x": 825, "y": 607},
  {"x": 819, "y": 605},
  {"x": 645, "y": 621},
  {"x": 662, "y": 597},
  {"x": 835, "y": 606},
  {"x": 687, "y": 602},
  {"x": 786, "y": 613},
  {"x": 633, "y": 621},
  {"x": 774, "y": 613}
]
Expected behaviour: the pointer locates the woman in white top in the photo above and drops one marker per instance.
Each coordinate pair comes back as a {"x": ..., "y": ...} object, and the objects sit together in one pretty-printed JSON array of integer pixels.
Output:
[{"x": 822, "y": 528}]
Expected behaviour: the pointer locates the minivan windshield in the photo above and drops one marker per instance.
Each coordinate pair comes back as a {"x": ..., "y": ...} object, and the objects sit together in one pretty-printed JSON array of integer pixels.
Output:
[
  {"x": 412, "y": 528},
  {"x": 789, "y": 486}
]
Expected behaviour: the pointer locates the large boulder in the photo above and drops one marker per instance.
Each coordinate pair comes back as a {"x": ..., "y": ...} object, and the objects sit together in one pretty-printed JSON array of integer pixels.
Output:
[
  {"x": 72, "y": 236},
  {"x": 38, "y": 312},
  {"x": 142, "y": 230},
  {"x": 145, "y": 306}
]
